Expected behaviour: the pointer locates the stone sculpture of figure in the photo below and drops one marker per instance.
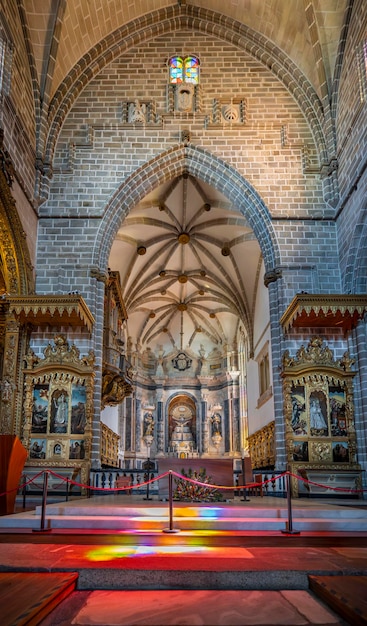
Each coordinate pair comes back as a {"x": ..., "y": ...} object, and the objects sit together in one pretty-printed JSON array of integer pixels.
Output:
[
  {"x": 216, "y": 424},
  {"x": 148, "y": 424},
  {"x": 137, "y": 112}
]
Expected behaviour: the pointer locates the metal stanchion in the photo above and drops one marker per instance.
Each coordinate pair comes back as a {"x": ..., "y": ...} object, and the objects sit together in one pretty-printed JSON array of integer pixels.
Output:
[
  {"x": 170, "y": 493},
  {"x": 245, "y": 498},
  {"x": 67, "y": 490},
  {"x": 147, "y": 474},
  {"x": 24, "y": 490},
  {"x": 42, "y": 528},
  {"x": 289, "y": 530}
]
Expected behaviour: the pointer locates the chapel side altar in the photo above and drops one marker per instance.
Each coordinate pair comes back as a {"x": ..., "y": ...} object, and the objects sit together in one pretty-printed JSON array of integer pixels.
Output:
[{"x": 219, "y": 471}]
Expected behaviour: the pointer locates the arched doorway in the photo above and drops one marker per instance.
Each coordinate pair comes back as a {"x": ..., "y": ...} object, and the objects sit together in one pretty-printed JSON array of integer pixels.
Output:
[{"x": 182, "y": 427}]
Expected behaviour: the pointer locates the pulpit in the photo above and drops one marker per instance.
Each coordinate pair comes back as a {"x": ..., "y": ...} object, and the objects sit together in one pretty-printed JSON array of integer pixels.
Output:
[{"x": 12, "y": 458}]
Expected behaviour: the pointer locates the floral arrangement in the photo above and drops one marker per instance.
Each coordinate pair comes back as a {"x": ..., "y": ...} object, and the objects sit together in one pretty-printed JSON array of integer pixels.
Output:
[{"x": 189, "y": 492}]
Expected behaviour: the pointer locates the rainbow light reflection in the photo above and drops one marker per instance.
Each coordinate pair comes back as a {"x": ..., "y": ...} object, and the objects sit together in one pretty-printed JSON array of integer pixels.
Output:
[{"x": 109, "y": 553}]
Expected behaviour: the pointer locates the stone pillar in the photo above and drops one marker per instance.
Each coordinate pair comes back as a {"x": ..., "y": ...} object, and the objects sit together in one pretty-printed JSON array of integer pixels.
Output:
[
  {"x": 138, "y": 430},
  {"x": 277, "y": 348},
  {"x": 359, "y": 350},
  {"x": 235, "y": 412},
  {"x": 203, "y": 445},
  {"x": 160, "y": 429}
]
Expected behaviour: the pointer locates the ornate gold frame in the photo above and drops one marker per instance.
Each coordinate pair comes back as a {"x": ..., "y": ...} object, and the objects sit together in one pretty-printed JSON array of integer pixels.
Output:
[
  {"x": 319, "y": 412},
  {"x": 60, "y": 374}
]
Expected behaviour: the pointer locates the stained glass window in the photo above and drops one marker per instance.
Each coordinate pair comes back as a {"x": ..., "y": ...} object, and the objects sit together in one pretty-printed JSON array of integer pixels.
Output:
[
  {"x": 175, "y": 70},
  {"x": 6, "y": 57},
  {"x": 184, "y": 70}
]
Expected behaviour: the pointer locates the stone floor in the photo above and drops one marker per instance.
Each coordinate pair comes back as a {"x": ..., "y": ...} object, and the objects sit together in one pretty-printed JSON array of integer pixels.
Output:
[
  {"x": 192, "y": 608},
  {"x": 194, "y": 578}
]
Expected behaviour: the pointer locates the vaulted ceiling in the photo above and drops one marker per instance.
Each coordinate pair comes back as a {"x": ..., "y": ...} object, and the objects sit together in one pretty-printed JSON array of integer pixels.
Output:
[
  {"x": 62, "y": 31},
  {"x": 189, "y": 266}
]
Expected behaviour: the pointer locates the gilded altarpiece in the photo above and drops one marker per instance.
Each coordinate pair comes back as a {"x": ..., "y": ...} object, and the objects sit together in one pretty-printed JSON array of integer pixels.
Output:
[
  {"x": 319, "y": 420},
  {"x": 58, "y": 408}
]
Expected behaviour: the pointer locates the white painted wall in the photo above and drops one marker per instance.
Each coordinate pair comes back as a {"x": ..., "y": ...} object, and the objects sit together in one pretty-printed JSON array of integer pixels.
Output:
[
  {"x": 109, "y": 416},
  {"x": 259, "y": 416}
]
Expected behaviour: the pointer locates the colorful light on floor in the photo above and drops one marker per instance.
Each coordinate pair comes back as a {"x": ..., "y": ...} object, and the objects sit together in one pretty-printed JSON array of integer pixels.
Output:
[{"x": 109, "y": 553}]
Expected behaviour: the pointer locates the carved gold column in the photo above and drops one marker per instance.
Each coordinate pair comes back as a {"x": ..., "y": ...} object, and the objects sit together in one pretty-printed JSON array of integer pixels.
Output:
[{"x": 9, "y": 377}]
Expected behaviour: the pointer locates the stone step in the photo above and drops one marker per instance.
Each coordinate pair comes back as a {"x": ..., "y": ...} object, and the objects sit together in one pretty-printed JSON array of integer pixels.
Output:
[{"x": 110, "y": 522}]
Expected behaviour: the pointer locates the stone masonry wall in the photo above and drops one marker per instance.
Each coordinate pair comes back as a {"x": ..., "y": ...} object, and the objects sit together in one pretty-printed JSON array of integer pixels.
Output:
[{"x": 96, "y": 152}]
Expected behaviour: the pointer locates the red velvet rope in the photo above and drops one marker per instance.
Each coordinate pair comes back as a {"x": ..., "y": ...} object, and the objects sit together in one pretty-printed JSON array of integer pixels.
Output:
[{"x": 190, "y": 480}]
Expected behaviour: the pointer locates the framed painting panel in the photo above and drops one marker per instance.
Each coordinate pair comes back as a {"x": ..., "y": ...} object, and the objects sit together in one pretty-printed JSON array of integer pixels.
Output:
[
  {"x": 77, "y": 449},
  {"x": 78, "y": 410},
  {"x": 40, "y": 409},
  {"x": 340, "y": 451},
  {"x": 59, "y": 411},
  {"x": 299, "y": 417}
]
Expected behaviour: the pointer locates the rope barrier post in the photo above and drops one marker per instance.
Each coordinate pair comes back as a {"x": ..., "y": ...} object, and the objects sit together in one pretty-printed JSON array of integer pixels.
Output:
[
  {"x": 42, "y": 528},
  {"x": 170, "y": 497},
  {"x": 245, "y": 498},
  {"x": 289, "y": 530},
  {"x": 148, "y": 474},
  {"x": 67, "y": 490}
]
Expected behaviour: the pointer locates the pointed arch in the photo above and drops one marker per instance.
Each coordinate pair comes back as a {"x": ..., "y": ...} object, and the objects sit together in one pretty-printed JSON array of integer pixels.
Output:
[{"x": 200, "y": 164}]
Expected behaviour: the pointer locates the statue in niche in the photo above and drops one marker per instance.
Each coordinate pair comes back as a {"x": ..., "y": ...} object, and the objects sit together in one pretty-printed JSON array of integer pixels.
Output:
[
  {"x": 216, "y": 424},
  {"x": 148, "y": 424},
  {"x": 182, "y": 436}
]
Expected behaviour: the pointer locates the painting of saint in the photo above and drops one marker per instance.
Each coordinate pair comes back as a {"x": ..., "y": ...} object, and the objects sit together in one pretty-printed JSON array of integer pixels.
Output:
[
  {"x": 337, "y": 412},
  {"x": 318, "y": 414},
  {"x": 300, "y": 451},
  {"x": 78, "y": 414},
  {"x": 37, "y": 449},
  {"x": 40, "y": 409},
  {"x": 340, "y": 452},
  {"x": 77, "y": 449},
  {"x": 59, "y": 412},
  {"x": 299, "y": 422}
]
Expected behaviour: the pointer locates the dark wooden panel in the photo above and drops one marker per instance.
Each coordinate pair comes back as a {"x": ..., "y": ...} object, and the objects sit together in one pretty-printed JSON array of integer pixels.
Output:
[
  {"x": 12, "y": 458},
  {"x": 26, "y": 598},
  {"x": 346, "y": 595}
]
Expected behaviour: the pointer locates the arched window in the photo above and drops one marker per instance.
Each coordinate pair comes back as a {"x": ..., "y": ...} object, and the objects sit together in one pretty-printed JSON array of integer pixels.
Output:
[
  {"x": 191, "y": 69},
  {"x": 184, "y": 70}
]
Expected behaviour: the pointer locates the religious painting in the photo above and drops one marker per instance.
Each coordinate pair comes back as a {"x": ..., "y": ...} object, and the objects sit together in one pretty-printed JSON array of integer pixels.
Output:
[
  {"x": 337, "y": 412},
  {"x": 59, "y": 412},
  {"x": 340, "y": 452},
  {"x": 299, "y": 420},
  {"x": 57, "y": 449},
  {"x": 37, "y": 449},
  {"x": 300, "y": 451},
  {"x": 318, "y": 414},
  {"x": 77, "y": 449},
  {"x": 78, "y": 413},
  {"x": 40, "y": 409}
]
